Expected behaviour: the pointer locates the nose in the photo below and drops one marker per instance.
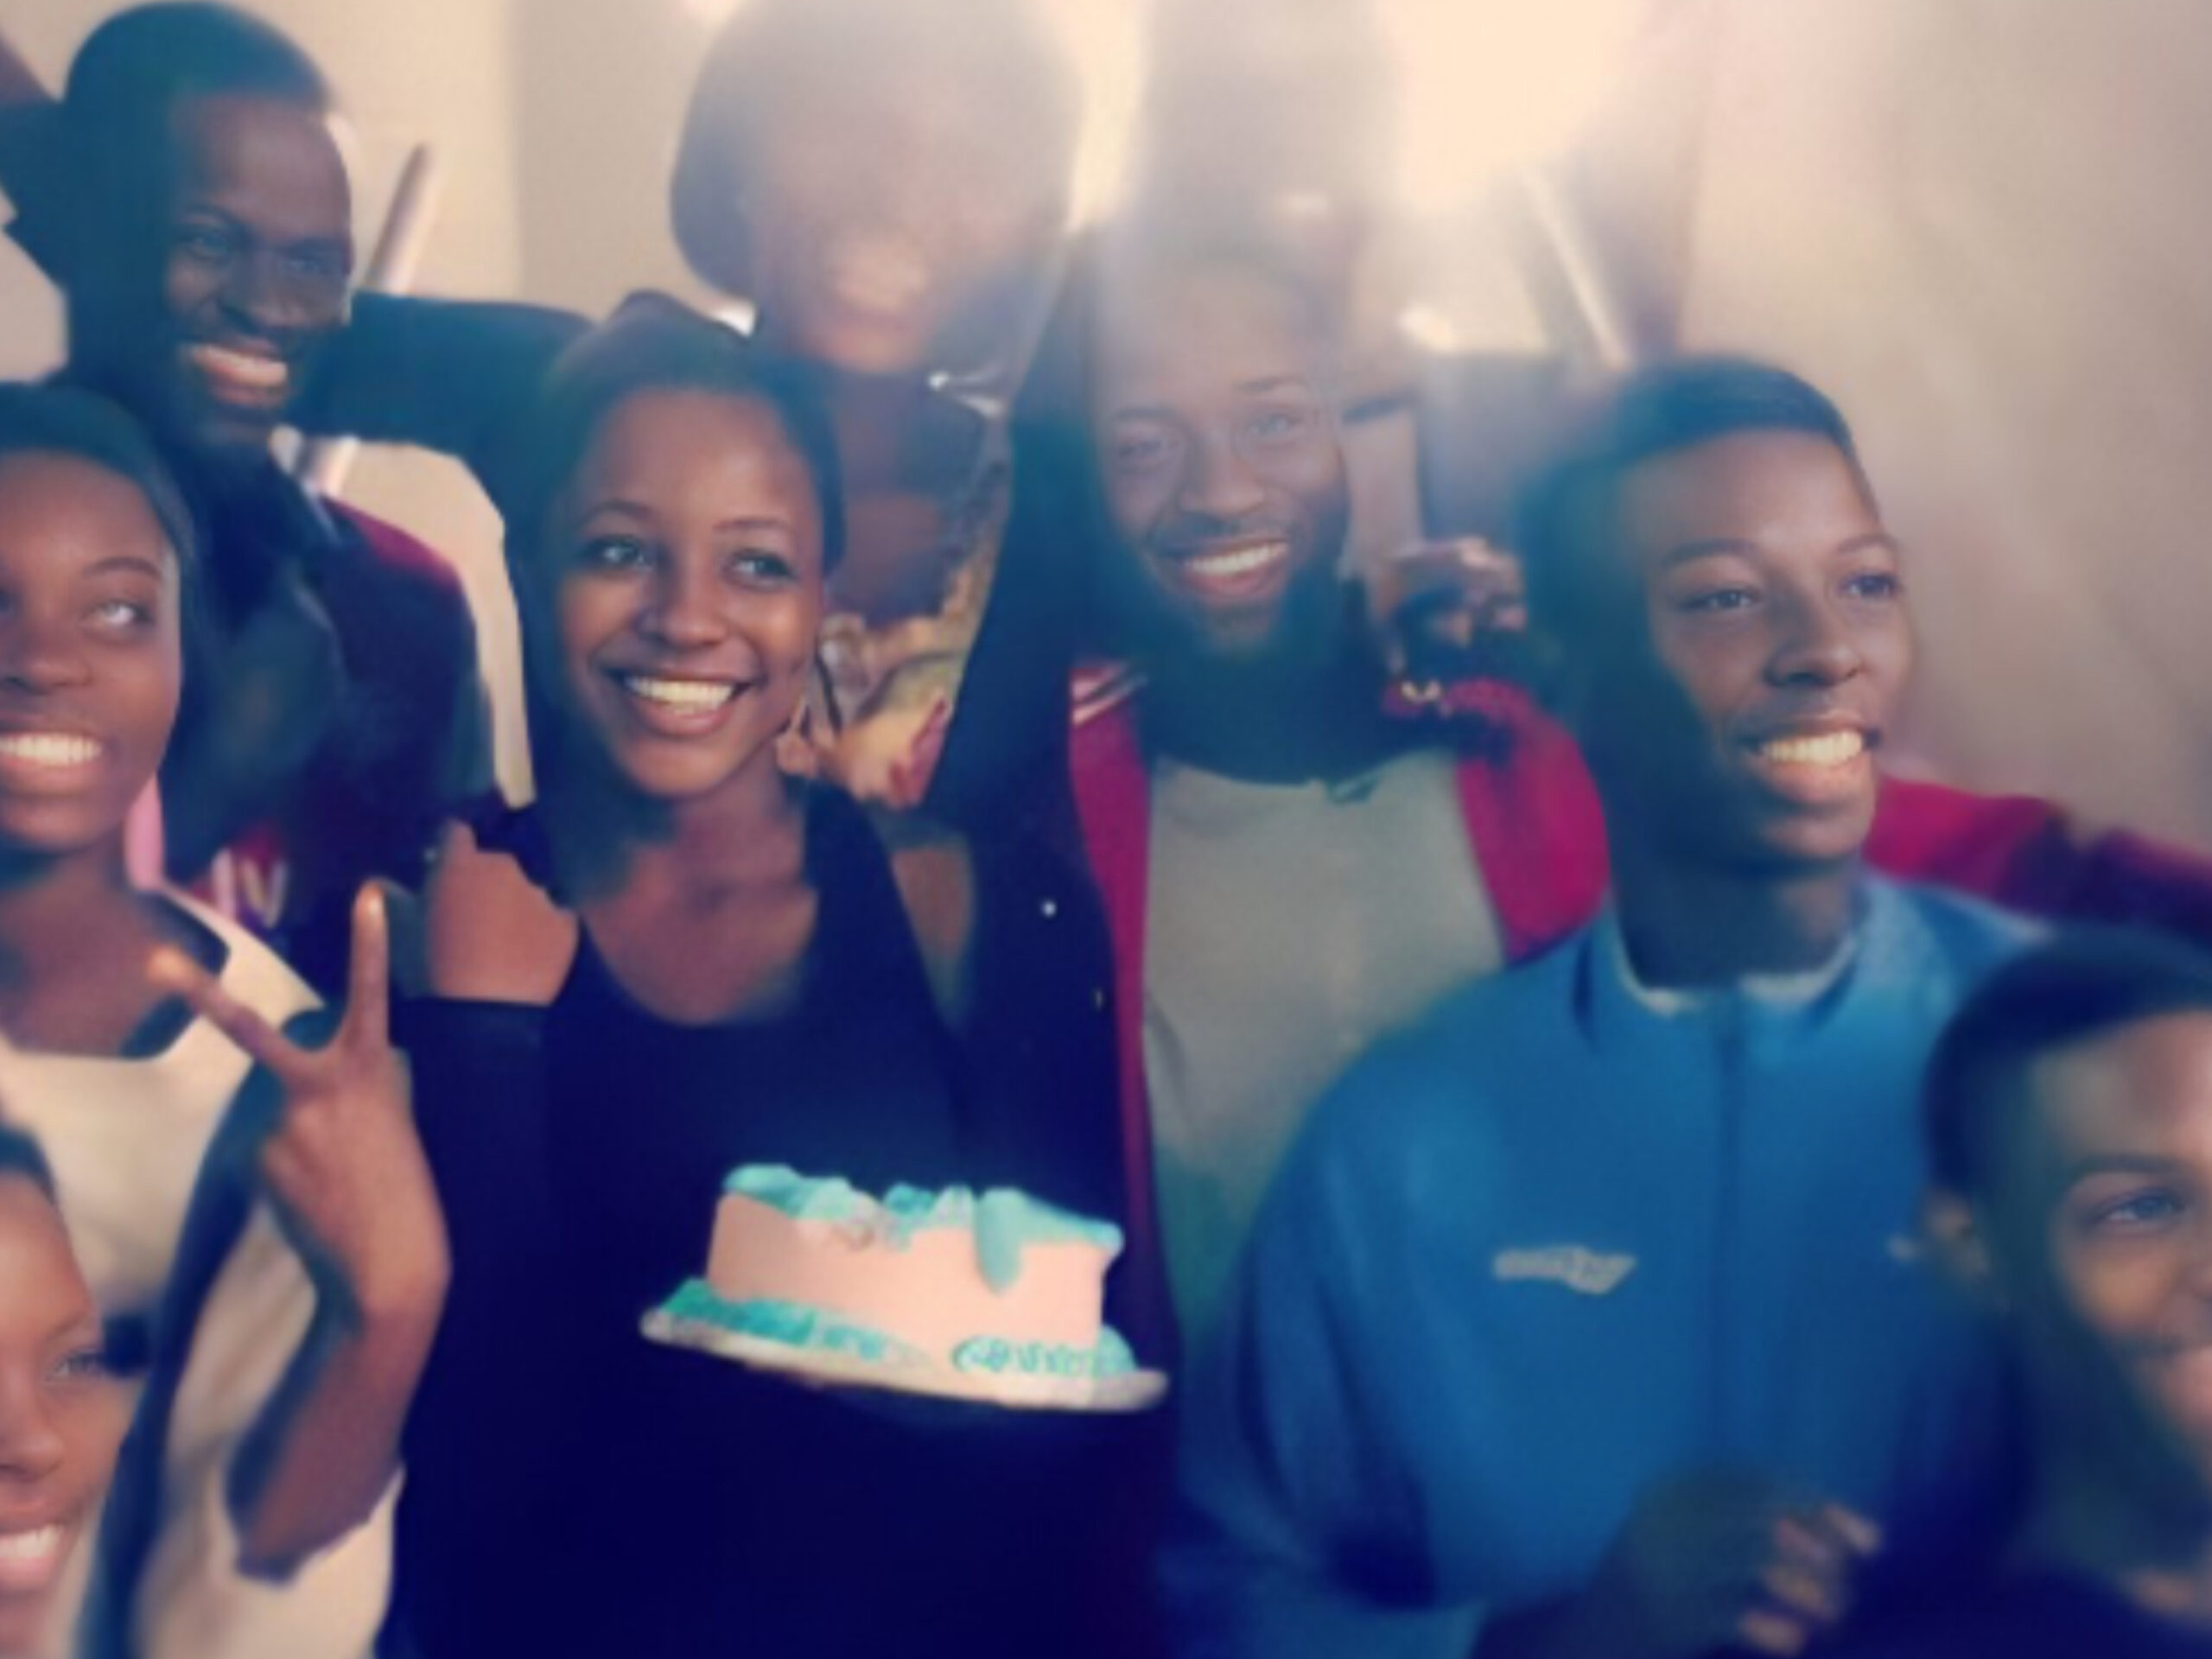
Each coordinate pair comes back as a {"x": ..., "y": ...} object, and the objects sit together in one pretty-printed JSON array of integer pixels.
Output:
[
  {"x": 1219, "y": 485},
  {"x": 262, "y": 295},
  {"x": 1817, "y": 645},
  {"x": 38, "y": 660},
  {"x": 31, "y": 1448},
  {"x": 686, "y": 610}
]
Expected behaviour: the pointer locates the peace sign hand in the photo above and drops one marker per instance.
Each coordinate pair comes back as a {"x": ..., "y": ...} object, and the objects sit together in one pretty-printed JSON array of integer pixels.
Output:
[{"x": 344, "y": 1164}]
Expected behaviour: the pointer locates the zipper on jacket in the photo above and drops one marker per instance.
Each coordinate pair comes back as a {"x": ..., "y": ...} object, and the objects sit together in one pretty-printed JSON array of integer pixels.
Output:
[{"x": 1721, "y": 1405}]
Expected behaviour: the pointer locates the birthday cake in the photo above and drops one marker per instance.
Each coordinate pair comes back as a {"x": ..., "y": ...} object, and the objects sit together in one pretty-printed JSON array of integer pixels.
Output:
[{"x": 994, "y": 1296}]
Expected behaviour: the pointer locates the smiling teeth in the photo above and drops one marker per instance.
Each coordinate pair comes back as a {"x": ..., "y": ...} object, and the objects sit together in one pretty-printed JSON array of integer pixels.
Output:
[
  {"x": 25, "y": 1548},
  {"x": 1237, "y": 561},
  {"x": 1834, "y": 749},
  {"x": 679, "y": 694},
  {"x": 242, "y": 368},
  {"x": 49, "y": 749}
]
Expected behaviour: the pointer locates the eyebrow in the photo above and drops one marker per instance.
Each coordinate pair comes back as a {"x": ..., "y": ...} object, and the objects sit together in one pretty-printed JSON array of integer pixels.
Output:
[
  {"x": 636, "y": 509},
  {"x": 2122, "y": 1164},
  {"x": 1266, "y": 384},
  {"x": 1721, "y": 546},
  {"x": 126, "y": 562}
]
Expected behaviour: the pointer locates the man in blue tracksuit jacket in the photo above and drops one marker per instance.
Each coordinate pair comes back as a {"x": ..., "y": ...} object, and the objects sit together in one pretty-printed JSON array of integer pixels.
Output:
[{"x": 1588, "y": 1317}]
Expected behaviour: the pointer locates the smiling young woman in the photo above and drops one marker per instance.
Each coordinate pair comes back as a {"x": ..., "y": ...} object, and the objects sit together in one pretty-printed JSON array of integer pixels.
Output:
[
  {"x": 132, "y": 1094},
  {"x": 681, "y": 960}
]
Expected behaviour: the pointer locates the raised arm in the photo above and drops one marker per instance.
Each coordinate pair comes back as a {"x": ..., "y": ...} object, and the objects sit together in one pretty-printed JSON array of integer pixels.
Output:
[
  {"x": 2029, "y": 855},
  {"x": 448, "y": 375}
]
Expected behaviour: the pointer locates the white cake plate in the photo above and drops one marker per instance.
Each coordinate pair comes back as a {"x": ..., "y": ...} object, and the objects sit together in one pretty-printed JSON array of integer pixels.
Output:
[{"x": 1131, "y": 1391}]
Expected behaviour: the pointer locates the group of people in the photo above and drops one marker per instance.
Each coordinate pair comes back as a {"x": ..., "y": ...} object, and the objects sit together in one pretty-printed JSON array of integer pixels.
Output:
[{"x": 1610, "y": 1171}]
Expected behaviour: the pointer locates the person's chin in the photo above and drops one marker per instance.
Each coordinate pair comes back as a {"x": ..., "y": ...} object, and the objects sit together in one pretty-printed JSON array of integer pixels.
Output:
[
  {"x": 54, "y": 830},
  {"x": 1811, "y": 843},
  {"x": 863, "y": 344},
  {"x": 26, "y": 1625},
  {"x": 673, "y": 771}
]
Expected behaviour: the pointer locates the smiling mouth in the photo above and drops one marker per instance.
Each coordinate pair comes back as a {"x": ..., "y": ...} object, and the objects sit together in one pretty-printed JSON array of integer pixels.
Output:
[
  {"x": 251, "y": 378},
  {"x": 1825, "y": 751},
  {"x": 874, "y": 277},
  {"x": 679, "y": 696},
  {"x": 49, "y": 751},
  {"x": 31, "y": 1559},
  {"x": 1247, "y": 569}
]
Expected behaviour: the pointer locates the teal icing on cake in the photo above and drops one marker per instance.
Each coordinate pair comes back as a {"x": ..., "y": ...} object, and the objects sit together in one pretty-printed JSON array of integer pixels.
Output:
[
  {"x": 1002, "y": 1357},
  {"x": 1004, "y": 1220},
  {"x": 798, "y": 1326},
  {"x": 793, "y": 1324}
]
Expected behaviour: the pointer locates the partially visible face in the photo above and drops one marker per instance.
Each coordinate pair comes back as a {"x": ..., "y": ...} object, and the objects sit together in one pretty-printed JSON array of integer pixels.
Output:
[
  {"x": 1741, "y": 686},
  {"x": 208, "y": 319},
  {"x": 686, "y": 556},
  {"x": 61, "y": 1414},
  {"x": 893, "y": 216},
  {"x": 2101, "y": 1234},
  {"x": 1216, "y": 441},
  {"x": 90, "y": 661}
]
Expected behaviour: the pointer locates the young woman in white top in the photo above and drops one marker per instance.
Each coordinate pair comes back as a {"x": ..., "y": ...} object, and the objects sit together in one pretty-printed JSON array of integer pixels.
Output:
[{"x": 260, "y": 1523}]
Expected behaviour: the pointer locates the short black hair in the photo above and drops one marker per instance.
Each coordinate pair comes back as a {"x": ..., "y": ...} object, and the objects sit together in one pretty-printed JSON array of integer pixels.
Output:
[
  {"x": 654, "y": 343},
  {"x": 2075, "y": 988},
  {"x": 20, "y": 1156},
  {"x": 770, "y": 51},
  {"x": 65, "y": 420},
  {"x": 111, "y": 128},
  {"x": 1560, "y": 513}
]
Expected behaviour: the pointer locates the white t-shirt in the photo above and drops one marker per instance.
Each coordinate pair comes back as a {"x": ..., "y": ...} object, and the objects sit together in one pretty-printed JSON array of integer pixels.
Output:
[
  {"x": 126, "y": 1138},
  {"x": 1289, "y": 927}
]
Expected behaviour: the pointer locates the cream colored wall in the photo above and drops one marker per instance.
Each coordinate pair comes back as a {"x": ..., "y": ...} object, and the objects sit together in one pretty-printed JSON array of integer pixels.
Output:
[
  {"x": 1982, "y": 224},
  {"x": 440, "y": 71}
]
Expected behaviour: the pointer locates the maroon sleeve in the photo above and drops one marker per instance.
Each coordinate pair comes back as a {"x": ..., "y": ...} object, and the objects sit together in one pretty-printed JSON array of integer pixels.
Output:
[{"x": 2024, "y": 854}]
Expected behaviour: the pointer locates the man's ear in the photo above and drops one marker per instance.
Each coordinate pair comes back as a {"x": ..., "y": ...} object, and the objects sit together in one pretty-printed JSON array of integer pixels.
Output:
[{"x": 1959, "y": 1245}]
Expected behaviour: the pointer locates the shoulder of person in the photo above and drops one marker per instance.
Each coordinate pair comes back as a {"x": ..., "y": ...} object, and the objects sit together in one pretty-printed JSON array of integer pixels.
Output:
[
  {"x": 251, "y": 972},
  {"x": 1439, "y": 1099},
  {"x": 490, "y": 932},
  {"x": 1952, "y": 930},
  {"x": 396, "y": 557}
]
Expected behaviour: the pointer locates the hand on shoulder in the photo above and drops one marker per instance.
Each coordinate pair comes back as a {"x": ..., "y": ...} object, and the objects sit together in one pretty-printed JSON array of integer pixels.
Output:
[{"x": 489, "y": 933}]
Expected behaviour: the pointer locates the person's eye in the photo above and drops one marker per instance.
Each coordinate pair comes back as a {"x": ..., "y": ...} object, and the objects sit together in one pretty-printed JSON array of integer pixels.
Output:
[
  {"x": 1875, "y": 585},
  {"x": 1136, "y": 451},
  {"x": 85, "y": 1364},
  {"x": 316, "y": 265},
  {"x": 2137, "y": 1212},
  {"x": 121, "y": 616},
  {"x": 1276, "y": 424},
  {"x": 758, "y": 569},
  {"x": 205, "y": 242},
  {"x": 1716, "y": 602},
  {"x": 617, "y": 553}
]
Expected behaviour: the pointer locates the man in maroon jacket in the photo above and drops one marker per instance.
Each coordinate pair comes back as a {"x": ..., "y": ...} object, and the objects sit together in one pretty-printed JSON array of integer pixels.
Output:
[
  {"x": 188, "y": 195},
  {"x": 1291, "y": 871}
]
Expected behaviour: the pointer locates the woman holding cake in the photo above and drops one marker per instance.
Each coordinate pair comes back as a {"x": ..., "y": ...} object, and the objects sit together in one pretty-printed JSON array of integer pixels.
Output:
[{"x": 683, "y": 960}]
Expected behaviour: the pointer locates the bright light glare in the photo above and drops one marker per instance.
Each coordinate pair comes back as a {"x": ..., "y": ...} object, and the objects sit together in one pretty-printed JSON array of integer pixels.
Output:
[
  {"x": 1486, "y": 85},
  {"x": 1106, "y": 43}
]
